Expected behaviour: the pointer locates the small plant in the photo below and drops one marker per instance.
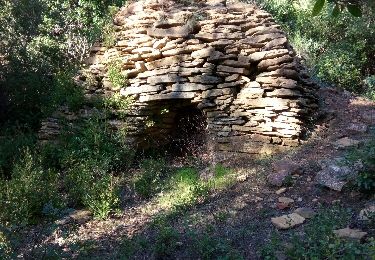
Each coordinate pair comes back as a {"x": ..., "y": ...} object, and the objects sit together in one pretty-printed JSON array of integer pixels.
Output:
[
  {"x": 117, "y": 102},
  {"x": 109, "y": 35},
  {"x": 102, "y": 197},
  {"x": 166, "y": 242},
  {"x": 115, "y": 75},
  {"x": 150, "y": 182},
  {"x": 5, "y": 246}
]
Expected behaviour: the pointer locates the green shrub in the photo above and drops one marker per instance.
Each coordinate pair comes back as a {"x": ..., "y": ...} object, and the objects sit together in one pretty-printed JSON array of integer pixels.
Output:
[
  {"x": 109, "y": 37},
  {"x": 166, "y": 242},
  {"x": 342, "y": 64},
  {"x": 5, "y": 246},
  {"x": 91, "y": 154},
  {"x": 29, "y": 189},
  {"x": 12, "y": 146},
  {"x": 115, "y": 76},
  {"x": 151, "y": 179},
  {"x": 365, "y": 181},
  {"x": 102, "y": 197}
]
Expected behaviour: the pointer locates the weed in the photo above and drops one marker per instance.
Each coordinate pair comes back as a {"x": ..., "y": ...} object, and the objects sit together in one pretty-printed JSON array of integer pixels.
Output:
[{"x": 115, "y": 75}]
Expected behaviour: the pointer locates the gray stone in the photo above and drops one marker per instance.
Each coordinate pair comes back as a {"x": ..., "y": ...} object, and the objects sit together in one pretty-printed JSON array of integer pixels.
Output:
[
  {"x": 171, "y": 78},
  {"x": 205, "y": 79},
  {"x": 305, "y": 212},
  {"x": 335, "y": 176},
  {"x": 187, "y": 87},
  {"x": 348, "y": 233},
  {"x": 346, "y": 142}
]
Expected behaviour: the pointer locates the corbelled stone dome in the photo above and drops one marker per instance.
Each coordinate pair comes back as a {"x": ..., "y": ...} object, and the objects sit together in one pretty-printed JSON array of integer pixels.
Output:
[{"x": 227, "y": 60}]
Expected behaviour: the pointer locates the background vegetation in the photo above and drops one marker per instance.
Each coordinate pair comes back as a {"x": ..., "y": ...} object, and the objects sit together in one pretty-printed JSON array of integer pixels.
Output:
[{"x": 338, "y": 49}]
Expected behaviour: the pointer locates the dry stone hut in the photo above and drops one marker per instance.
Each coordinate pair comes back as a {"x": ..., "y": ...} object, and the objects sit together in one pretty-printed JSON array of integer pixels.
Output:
[{"x": 227, "y": 64}]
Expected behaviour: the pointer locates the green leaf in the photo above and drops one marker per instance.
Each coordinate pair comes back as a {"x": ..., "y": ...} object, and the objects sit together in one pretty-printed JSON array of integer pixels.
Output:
[
  {"x": 354, "y": 10},
  {"x": 336, "y": 11},
  {"x": 318, "y": 7}
]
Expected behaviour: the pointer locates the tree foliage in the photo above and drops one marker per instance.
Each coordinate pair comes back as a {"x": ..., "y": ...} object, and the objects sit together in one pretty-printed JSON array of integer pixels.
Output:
[
  {"x": 40, "y": 39},
  {"x": 354, "y": 7}
]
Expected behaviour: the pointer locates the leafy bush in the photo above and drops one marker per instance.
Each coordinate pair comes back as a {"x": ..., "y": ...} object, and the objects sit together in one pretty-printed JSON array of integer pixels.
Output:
[
  {"x": 5, "y": 246},
  {"x": 23, "y": 197},
  {"x": 11, "y": 149},
  {"x": 90, "y": 155}
]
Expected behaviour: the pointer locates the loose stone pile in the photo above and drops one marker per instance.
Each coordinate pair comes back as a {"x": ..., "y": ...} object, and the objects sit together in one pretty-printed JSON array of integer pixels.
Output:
[{"x": 229, "y": 60}]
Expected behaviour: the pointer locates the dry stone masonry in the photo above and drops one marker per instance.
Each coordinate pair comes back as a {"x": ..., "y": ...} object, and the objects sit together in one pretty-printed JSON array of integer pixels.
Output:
[{"x": 228, "y": 60}]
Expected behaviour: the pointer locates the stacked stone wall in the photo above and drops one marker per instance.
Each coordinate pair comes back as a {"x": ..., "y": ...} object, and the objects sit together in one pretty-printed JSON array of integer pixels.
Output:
[{"x": 229, "y": 60}]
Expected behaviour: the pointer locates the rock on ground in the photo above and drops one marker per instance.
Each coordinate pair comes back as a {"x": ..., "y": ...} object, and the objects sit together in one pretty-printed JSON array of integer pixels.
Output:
[
  {"x": 288, "y": 221},
  {"x": 349, "y": 233}
]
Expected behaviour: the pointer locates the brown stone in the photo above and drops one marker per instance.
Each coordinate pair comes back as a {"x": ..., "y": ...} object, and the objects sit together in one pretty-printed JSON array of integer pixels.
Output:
[
  {"x": 288, "y": 221},
  {"x": 168, "y": 61},
  {"x": 275, "y": 61},
  {"x": 263, "y": 55},
  {"x": 173, "y": 33}
]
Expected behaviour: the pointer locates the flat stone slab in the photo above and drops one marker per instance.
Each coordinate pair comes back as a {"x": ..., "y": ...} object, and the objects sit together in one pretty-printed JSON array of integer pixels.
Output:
[
  {"x": 355, "y": 234},
  {"x": 174, "y": 32},
  {"x": 346, "y": 142},
  {"x": 288, "y": 221},
  {"x": 305, "y": 212},
  {"x": 334, "y": 175},
  {"x": 367, "y": 213}
]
